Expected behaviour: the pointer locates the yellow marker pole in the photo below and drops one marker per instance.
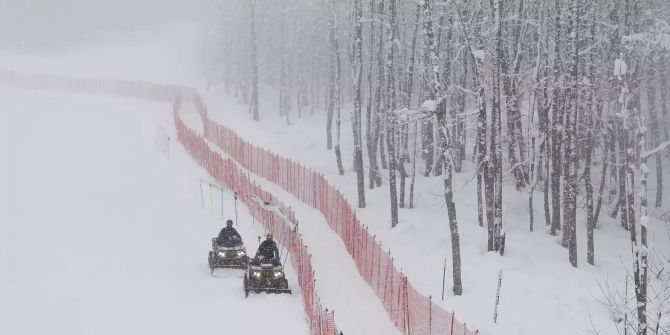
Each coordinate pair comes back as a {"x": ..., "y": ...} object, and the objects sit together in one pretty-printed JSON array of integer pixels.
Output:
[
  {"x": 211, "y": 198},
  {"x": 236, "y": 221},
  {"x": 444, "y": 275},
  {"x": 274, "y": 226},
  {"x": 202, "y": 198},
  {"x": 258, "y": 226}
]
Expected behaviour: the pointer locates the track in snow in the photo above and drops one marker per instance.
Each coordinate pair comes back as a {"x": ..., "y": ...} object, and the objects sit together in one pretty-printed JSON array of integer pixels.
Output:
[{"x": 339, "y": 284}]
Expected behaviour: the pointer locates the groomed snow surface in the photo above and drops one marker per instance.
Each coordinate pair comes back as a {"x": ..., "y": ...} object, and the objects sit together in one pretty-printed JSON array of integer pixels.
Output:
[{"x": 100, "y": 234}]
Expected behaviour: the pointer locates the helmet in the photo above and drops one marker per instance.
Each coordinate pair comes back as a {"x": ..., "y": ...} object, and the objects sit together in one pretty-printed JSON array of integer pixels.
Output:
[
  {"x": 229, "y": 223},
  {"x": 268, "y": 236}
]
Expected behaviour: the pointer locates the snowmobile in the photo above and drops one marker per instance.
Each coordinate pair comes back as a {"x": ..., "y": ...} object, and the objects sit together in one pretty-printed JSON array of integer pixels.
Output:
[
  {"x": 228, "y": 254},
  {"x": 265, "y": 276}
]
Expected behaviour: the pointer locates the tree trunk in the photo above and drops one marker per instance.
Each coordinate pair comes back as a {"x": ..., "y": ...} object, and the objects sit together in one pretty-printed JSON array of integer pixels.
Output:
[
  {"x": 375, "y": 176},
  {"x": 483, "y": 173},
  {"x": 664, "y": 108},
  {"x": 283, "y": 80},
  {"x": 622, "y": 140},
  {"x": 512, "y": 106},
  {"x": 414, "y": 147},
  {"x": 545, "y": 146},
  {"x": 662, "y": 124},
  {"x": 410, "y": 89},
  {"x": 358, "y": 75},
  {"x": 590, "y": 219},
  {"x": 460, "y": 116},
  {"x": 482, "y": 161},
  {"x": 369, "y": 136},
  {"x": 335, "y": 95},
  {"x": 453, "y": 228},
  {"x": 254, "y": 62},
  {"x": 496, "y": 129},
  {"x": 390, "y": 112},
  {"x": 607, "y": 139},
  {"x": 573, "y": 183},
  {"x": 557, "y": 121},
  {"x": 532, "y": 185},
  {"x": 640, "y": 253}
]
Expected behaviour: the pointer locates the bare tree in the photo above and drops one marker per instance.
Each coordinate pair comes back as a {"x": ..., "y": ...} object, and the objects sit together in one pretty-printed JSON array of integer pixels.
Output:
[
  {"x": 253, "y": 107},
  {"x": 571, "y": 183},
  {"x": 438, "y": 97},
  {"x": 590, "y": 219},
  {"x": 358, "y": 76},
  {"x": 376, "y": 125},
  {"x": 390, "y": 110},
  {"x": 334, "y": 107},
  {"x": 495, "y": 149}
]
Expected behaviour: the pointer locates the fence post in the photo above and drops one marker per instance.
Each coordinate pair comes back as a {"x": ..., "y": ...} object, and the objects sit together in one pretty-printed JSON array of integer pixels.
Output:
[
  {"x": 386, "y": 274},
  {"x": 409, "y": 324},
  {"x": 202, "y": 198},
  {"x": 495, "y": 311},
  {"x": 392, "y": 287},
  {"x": 444, "y": 274},
  {"x": 372, "y": 258},
  {"x": 400, "y": 306},
  {"x": 430, "y": 314},
  {"x": 453, "y": 316},
  {"x": 235, "y": 195},
  {"x": 379, "y": 265}
]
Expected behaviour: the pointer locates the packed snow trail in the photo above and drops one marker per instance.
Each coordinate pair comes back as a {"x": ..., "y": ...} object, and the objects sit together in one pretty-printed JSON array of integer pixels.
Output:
[
  {"x": 358, "y": 309},
  {"x": 99, "y": 234}
]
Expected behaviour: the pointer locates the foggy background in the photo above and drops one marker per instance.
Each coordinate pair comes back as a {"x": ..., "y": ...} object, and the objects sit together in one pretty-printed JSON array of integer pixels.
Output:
[{"x": 42, "y": 26}]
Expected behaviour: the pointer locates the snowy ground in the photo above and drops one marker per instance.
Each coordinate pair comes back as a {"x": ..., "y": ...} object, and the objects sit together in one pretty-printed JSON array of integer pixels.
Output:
[
  {"x": 100, "y": 234},
  {"x": 541, "y": 292}
]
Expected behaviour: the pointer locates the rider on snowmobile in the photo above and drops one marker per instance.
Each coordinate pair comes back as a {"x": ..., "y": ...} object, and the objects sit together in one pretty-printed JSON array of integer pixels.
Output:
[
  {"x": 228, "y": 233},
  {"x": 268, "y": 249}
]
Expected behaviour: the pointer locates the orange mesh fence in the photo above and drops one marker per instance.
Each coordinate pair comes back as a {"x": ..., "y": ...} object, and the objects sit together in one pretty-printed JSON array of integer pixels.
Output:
[
  {"x": 226, "y": 173},
  {"x": 412, "y": 312}
]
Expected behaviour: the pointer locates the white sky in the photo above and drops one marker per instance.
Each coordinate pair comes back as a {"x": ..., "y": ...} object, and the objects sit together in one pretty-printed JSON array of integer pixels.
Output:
[{"x": 51, "y": 25}]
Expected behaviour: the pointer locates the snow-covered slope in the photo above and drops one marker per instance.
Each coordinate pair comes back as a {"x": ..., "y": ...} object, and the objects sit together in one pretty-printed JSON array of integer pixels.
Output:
[
  {"x": 162, "y": 54},
  {"x": 100, "y": 234}
]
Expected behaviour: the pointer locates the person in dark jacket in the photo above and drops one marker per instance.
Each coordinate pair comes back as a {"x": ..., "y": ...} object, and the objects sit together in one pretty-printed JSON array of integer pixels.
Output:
[
  {"x": 228, "y": 234},
  {"x": 268, "y": 249}
]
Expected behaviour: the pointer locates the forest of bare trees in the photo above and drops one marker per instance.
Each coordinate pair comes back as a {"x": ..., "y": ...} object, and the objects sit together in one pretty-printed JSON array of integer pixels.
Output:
[{"x": 567, "y": 98}]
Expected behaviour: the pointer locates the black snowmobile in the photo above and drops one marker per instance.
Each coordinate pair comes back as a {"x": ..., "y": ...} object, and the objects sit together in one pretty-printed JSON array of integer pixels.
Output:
[
  {"x": 265, "y": 275},
  {"x": 228, "y": 254}
]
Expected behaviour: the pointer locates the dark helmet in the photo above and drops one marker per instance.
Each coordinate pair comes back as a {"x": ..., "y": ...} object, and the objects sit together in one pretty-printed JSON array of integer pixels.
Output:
[
  {"x": 268, "y": 236},
  {"x": 229, "y": 223}
]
